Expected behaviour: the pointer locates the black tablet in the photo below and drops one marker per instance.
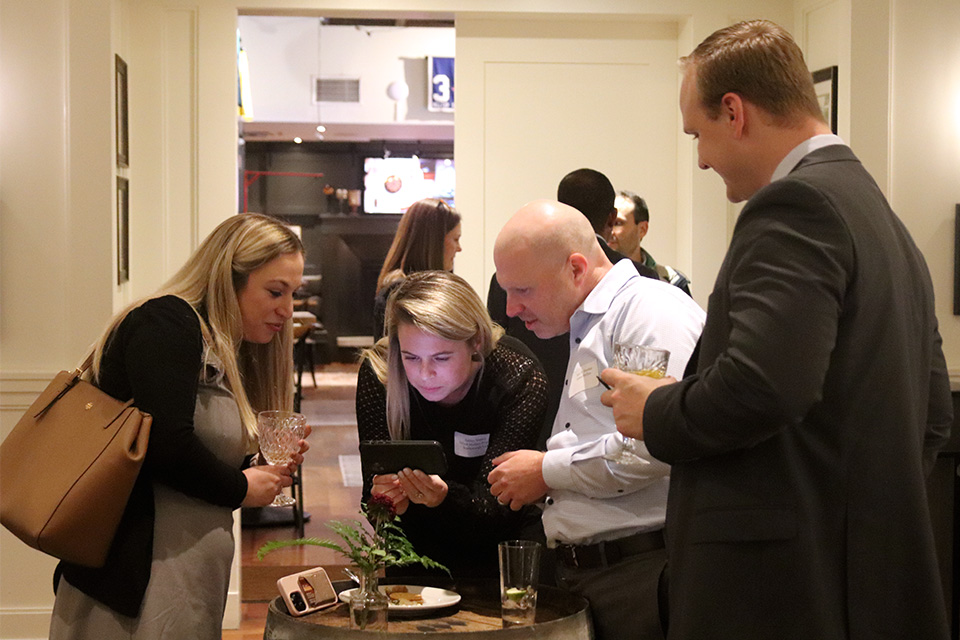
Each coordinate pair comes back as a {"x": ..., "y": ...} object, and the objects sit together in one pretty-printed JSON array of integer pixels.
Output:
[{"x": 390, "y": 456}]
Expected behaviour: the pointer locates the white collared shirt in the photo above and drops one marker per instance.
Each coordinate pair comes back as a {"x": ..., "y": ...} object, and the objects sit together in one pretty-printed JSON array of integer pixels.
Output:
[
  {"x": 591, "y": 499},
  {"x": 801, "y": 150}
]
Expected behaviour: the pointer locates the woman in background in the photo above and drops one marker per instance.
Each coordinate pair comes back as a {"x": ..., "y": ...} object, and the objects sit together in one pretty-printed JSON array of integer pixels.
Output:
[
  {"x": 202, "y": 355},
  {"x": 428, "y": 238},
  {"x": 445, "y": 372}
]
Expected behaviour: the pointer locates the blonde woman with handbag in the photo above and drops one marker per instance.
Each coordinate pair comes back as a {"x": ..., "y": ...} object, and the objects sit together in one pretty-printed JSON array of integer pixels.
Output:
[{"x": 202, "y": 355}]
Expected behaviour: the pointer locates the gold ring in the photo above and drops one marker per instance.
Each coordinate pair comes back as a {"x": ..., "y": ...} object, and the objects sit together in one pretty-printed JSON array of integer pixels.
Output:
[{"x": 419, "y": 496}]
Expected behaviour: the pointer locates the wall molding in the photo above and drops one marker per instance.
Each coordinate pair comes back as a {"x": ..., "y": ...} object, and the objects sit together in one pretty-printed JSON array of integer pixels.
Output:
[
  {"x": 18, "y": 389},
  {"x": 26, "y": 622}
]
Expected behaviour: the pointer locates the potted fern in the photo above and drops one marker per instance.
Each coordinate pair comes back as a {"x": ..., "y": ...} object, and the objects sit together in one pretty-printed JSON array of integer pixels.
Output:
[{"x": 370, "y": 548}]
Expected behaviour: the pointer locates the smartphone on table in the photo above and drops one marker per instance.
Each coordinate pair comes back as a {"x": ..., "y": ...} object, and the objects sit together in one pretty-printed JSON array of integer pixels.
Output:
[
  {"x": 390, "y": 456},
  {"x": 307, "y": 591}
]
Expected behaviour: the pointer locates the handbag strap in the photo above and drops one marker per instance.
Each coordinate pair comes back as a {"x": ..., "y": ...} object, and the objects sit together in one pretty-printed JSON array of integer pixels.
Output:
[
  {"x": 71, "y": 382},
  {"x": 86, "y": 364}
]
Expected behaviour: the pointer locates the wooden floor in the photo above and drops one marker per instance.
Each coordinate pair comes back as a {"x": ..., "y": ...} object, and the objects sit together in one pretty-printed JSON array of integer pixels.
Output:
[{"x": 329, "y": 408}]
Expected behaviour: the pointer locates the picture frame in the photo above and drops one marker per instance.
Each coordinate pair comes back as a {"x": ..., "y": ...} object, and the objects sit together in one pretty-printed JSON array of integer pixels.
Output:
[
  {"x": 440, "y": 89},
  {"x": 956, "y": 261},
  {"x": 825, "y": 85},
  {"x": 123, "y": 230},
  {"x": 123, "y": 114}
]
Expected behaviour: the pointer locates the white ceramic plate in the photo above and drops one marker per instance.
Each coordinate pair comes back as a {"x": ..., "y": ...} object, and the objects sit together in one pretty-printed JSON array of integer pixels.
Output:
[{"x": 433, "y": 598}]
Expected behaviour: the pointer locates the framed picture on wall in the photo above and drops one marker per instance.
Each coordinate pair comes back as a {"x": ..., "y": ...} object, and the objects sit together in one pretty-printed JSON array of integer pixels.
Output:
[
  {"x": 440, "y": 90},
  {"x": 956, "y": 261},
  {"x": 123, "y": 140},
  {"x": 123, "y": 230},
  {"x": 825, "y": 84}
]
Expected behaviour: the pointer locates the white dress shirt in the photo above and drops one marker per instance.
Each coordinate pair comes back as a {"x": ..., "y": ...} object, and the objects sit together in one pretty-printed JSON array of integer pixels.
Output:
[
  {"x": 591, "y": 499},
  {"x": 800, "y": 151}
]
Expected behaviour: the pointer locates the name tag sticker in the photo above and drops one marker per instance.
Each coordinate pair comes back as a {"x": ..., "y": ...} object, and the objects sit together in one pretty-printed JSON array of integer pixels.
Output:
[
  {"x": 470, "y": 446},
  {"x": 584, "y": 377}
]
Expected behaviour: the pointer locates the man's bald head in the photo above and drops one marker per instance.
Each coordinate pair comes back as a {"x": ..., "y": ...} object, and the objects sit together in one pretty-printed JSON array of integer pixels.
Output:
[
  {"x": 548, "y": 229},
  {"x": 548, "y": 261}
]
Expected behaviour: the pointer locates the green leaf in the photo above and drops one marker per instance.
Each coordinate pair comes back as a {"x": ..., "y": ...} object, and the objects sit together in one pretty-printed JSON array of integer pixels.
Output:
[
  {"x": 273, "y": 545},
  {"x": 386, "y": 546}
]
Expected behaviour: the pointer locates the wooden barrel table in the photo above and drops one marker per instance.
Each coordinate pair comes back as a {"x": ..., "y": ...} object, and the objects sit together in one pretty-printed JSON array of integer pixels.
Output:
[{"x": 560, "y": 616}]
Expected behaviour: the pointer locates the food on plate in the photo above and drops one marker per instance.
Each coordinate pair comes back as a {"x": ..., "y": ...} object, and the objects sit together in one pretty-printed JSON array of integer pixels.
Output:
[{"x": 399, "y": 595}]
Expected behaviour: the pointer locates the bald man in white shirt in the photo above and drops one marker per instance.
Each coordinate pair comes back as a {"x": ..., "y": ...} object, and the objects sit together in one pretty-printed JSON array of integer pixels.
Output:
[{"x": 603, "y": 519}]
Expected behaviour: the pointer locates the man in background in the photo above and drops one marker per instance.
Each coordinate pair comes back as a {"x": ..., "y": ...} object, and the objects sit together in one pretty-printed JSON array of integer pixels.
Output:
[
  {"x": 629, "y": 229},
  {"x": 799, "y": 448},
  {"x": 604, "y": 520},
  {"x": 591, "y": 193}
]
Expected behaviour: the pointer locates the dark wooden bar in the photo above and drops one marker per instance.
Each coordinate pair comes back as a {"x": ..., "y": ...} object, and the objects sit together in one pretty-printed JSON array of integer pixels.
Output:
[{"x": 560, "y": 616}]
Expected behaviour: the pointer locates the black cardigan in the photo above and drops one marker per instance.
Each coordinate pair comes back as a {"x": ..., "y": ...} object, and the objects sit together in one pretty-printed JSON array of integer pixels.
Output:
[{"x": 155, "y": 358}]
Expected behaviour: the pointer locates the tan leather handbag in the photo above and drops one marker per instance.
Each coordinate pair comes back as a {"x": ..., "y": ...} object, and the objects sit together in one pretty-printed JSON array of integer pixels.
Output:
[{"x": 67, "y": 469}]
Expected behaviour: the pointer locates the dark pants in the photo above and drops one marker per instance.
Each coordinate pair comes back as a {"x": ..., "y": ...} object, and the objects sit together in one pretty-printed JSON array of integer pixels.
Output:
[{"x": 624, "y": 598}]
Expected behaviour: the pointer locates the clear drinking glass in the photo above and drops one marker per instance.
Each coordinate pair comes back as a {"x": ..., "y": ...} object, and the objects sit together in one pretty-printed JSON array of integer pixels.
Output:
[
  {"x": 519, "y": 573},
  {"x": 280, "y": 436},
  {"x": 642, "y": 361}
]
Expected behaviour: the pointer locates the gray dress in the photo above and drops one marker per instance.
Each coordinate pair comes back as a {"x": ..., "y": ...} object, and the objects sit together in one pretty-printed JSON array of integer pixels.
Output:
[{"x": 192, "y": 551}]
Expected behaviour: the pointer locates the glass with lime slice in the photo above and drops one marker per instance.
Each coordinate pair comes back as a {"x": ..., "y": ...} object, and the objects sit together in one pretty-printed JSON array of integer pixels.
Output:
[{"x": 519, "y": 569}]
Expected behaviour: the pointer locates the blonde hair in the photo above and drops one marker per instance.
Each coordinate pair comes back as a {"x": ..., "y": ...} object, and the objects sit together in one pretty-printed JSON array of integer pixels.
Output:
[
  {"x": 418, "y": 243},
  {"x": 259, "y": 375},
  {"x": 439, "y": 303}
]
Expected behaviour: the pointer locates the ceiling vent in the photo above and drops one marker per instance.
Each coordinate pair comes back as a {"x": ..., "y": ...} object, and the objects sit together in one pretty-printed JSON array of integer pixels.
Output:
[{"x": 336, "y": 90}]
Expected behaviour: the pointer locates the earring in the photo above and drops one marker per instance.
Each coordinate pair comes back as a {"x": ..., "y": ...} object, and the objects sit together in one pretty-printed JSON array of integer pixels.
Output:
[{"x": 475, "y": 356}]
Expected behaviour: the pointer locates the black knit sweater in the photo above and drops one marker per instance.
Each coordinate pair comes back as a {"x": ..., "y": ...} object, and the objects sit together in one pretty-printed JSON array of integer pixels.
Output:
[{"x": 507, "y": 402}]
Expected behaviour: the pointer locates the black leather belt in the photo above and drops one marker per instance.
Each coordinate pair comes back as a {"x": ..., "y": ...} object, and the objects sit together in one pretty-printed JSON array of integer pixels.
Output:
[{"x": 603, "y": 554}]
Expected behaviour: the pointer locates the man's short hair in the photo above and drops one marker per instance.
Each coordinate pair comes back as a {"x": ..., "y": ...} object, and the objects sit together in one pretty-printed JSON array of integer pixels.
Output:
[
  {"x": 591, "y": 193},
  {"x": 759, "y": 61},
  {"x": 640, "y": 211}
]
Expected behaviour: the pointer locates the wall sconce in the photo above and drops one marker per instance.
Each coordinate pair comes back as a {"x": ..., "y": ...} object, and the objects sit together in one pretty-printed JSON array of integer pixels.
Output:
[{"x": 397, "y": 91}]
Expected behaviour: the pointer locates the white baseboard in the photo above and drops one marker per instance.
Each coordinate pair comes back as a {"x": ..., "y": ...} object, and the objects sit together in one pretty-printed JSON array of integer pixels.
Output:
[
  {"x": 25, "y": 624},
  {"x": 34, "y": 624},
  {"x": 231, "y": 615}
]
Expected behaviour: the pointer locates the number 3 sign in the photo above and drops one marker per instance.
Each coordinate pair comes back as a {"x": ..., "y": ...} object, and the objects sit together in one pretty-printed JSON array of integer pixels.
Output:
[{"x": 440, "y": 85}]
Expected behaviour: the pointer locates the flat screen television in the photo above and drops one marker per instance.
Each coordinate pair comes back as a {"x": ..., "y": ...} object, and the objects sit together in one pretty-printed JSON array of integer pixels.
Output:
[{"x": 391, "y": 185}]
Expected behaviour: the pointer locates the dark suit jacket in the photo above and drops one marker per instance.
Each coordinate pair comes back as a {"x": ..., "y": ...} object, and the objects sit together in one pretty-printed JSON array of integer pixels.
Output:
[
  {"x": 552, "y": 353},
  {"x": 797, "y": 502}
]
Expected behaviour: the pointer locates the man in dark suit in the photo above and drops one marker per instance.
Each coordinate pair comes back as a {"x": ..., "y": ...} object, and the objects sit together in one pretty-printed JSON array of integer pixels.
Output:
[{"x": 797, "y": 505}]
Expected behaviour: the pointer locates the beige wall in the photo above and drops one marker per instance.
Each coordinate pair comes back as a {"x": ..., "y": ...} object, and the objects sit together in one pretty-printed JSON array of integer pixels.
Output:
[
  {"x": 56, "y": 238},
  {"x": 538, "y": 104},
  {"x": 924, "y": 158},
  {"x": 57, "y": 256}
]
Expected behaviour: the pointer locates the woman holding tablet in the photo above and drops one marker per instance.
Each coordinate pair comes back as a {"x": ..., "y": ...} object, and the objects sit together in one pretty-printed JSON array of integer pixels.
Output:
[{"x": 445, "y": 372}]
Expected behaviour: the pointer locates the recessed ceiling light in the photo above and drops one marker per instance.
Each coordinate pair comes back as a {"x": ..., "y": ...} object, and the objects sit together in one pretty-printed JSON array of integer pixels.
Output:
[
  {"x": 321, "y": 128},
  {"x": 298, "y": 139}
]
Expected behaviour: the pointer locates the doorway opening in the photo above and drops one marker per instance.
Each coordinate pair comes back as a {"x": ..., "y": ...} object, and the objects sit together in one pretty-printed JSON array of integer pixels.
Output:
[
  {"x": 332, "y": 111},
  {"x": 347, "y": 122}
]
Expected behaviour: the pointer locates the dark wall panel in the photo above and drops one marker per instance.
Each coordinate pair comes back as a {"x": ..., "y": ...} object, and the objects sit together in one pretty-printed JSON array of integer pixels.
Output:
[{"x": 346, "y": 250}]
